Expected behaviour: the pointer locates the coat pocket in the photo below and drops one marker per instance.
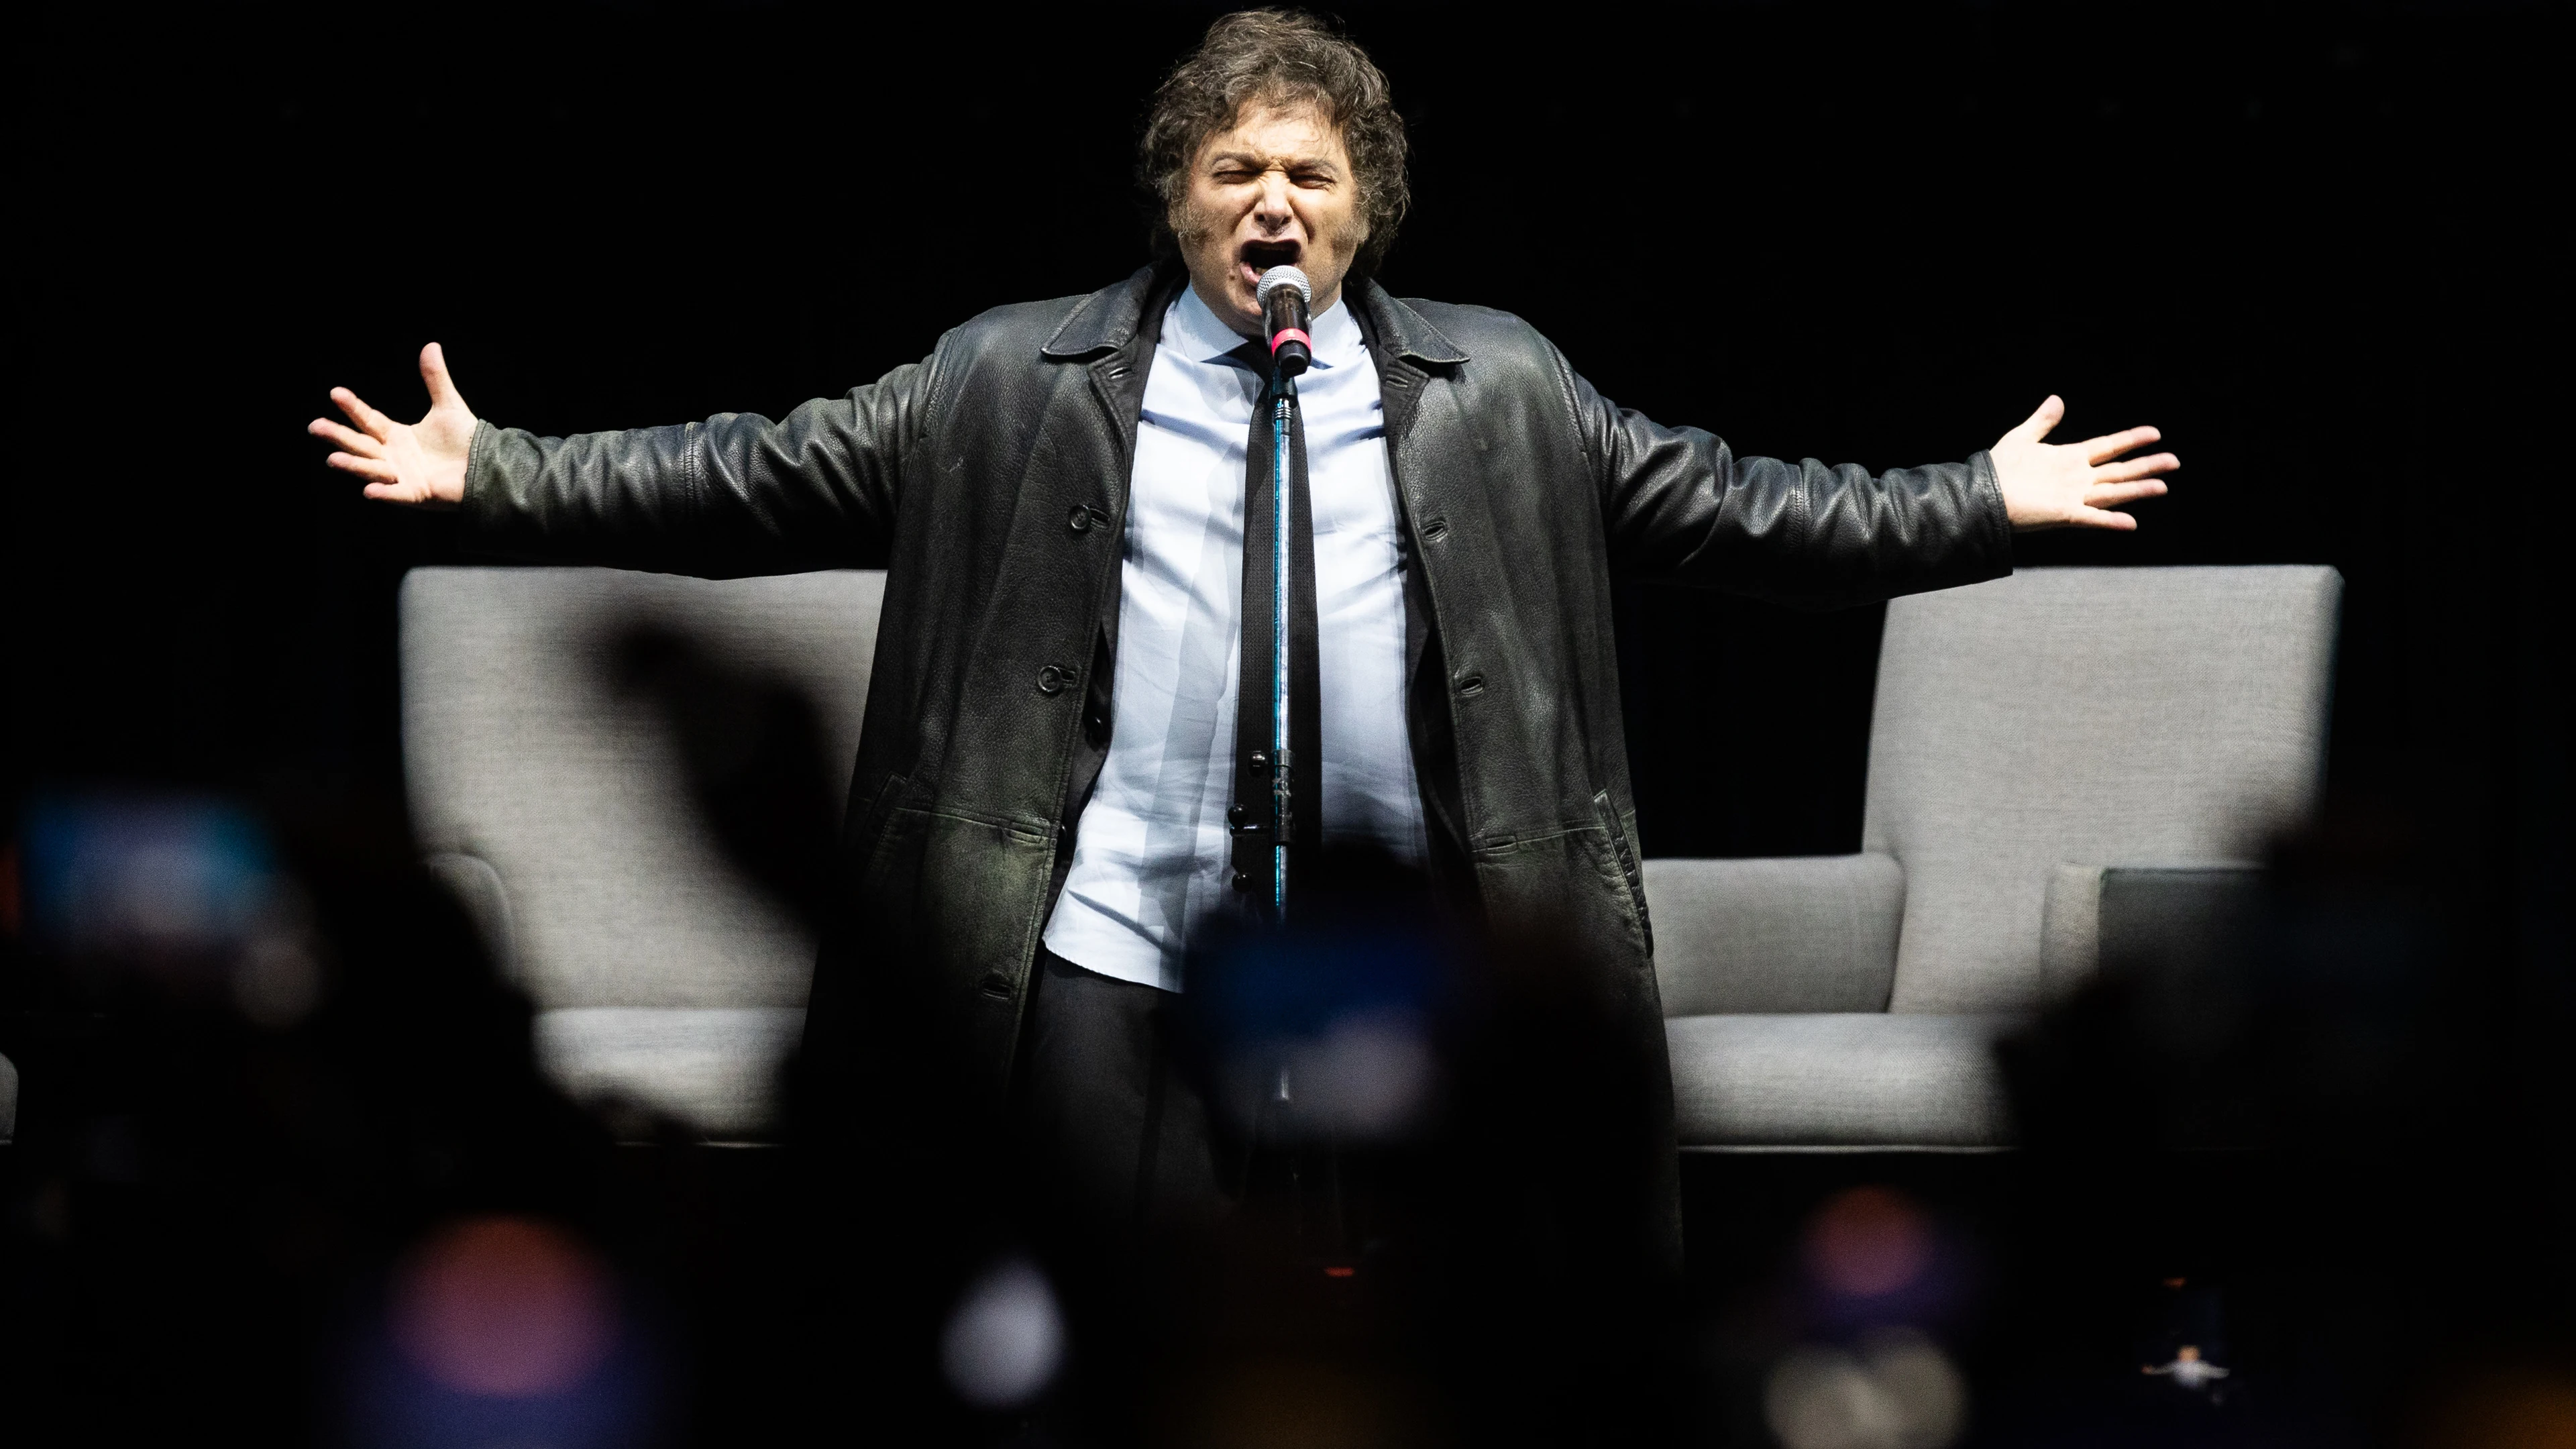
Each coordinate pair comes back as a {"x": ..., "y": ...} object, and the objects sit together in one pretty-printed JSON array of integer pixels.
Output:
[
  {"x": 1631, "y": 873},
  {"x": 861, "y": 841}
]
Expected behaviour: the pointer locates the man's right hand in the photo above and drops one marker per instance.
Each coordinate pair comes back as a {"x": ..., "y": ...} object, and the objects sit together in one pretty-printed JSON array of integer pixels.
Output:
[{"x": 419, "y": 463}]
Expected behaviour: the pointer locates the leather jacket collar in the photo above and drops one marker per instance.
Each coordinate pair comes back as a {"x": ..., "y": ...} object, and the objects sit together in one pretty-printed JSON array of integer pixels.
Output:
[{"x": 1108, "y": 320}]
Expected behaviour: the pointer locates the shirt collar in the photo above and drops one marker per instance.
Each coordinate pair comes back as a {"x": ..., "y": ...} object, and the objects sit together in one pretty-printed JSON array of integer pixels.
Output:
[{"x": 1192, "y": 328}]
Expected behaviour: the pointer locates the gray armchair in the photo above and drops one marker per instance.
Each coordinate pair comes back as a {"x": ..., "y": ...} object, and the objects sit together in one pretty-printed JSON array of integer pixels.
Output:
[
  {"x": 556, "y": 810},
  {"x": 2029, "y": 734}
]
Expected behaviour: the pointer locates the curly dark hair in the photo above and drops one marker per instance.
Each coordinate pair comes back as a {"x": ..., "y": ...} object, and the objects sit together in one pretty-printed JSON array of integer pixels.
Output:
[{"x": 1277, "y": 57}]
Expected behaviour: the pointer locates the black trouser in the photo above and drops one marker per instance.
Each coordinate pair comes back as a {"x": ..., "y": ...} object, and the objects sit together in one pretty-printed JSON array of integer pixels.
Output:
[
  {"x": 1118, "y": 1179},
  {"x": 1113, "y": 1138},
  {"x": 1187, "y": 1259}
]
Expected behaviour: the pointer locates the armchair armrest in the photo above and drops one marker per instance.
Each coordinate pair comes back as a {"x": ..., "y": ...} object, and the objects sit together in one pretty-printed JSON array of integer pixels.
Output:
[
  {"x": 1796, "y": 934},
  {"x": 2096, "y": 913}
]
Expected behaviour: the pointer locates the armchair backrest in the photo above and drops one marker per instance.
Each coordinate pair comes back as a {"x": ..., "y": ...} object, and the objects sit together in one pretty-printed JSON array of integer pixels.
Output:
[
  {"x": 2110, "y": 717},
  {"x": 557, "y": 807}
]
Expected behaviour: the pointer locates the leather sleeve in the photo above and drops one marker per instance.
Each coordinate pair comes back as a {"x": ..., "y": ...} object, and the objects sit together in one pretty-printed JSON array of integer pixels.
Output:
[
  {"x": 1678, "y": 506},
  {"x": 732, "y": 496}
]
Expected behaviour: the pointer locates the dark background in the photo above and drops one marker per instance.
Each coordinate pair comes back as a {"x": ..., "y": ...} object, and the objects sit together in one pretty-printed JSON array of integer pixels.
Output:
[{"x": 2308, "y": 242}]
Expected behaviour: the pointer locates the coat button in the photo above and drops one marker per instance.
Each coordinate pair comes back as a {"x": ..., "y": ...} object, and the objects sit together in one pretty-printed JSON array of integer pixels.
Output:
[
  {"x": 1053, "y": 678},
  {"x": 1242, "y": 882},
  {"x": 1471, "y": 684},
  {"x": 1238, "y": 817},
  {"x": 1082, "y": 517}
]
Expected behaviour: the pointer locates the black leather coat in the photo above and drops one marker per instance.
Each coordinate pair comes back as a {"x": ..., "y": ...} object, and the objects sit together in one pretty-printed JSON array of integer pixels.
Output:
[{"x": 991, "y": 480}]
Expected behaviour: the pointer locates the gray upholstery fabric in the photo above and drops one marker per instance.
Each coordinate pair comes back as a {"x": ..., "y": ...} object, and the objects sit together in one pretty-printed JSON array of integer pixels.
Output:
[
  {"x": 1806, "y": 934},
  {"x": 2070, "y": 930},
  {"x": 555, "y": 810},
  {"x": 2187, "y": 920},
  {"x": 1852, "y": 1080},
  {"x": 476, "y": 885},
  {"x": 2094, "y": 912},
  {"x": 713, "y": 1068},
  {"x": 2036, "y": 740},
  {"x": 2085, "y": 716}
]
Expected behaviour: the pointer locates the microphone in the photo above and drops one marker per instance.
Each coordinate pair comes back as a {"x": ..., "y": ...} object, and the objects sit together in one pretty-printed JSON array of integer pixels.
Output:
[{"x": 1284, "y": 295}]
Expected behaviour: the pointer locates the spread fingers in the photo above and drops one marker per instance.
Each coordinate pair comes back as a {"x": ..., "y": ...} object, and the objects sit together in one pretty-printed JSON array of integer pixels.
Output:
[
  {"x": 2112, "y": 495},
  {"x": 2037, "y": 425},
  {"x": 349, "y": 439},
  {"x": 2129, "y": 468},
  {"x": 375, "y": 470},
  {"x": 2112, "y": 445},
  {"x": 375, "y": 423},
  {"x": 2099, "y": 518}
]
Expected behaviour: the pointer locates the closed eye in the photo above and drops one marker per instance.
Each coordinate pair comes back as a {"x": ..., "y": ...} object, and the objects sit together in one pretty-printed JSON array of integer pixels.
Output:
[{"x": 1236, "y": 170}]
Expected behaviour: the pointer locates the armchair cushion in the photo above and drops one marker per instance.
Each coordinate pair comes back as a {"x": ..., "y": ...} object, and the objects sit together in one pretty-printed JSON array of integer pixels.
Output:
[
  {"x": 1856, "y": 1080},
  {"x": 714, "y": 1069}
]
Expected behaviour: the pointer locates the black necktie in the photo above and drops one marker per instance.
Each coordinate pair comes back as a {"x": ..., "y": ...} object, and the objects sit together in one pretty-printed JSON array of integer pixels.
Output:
[{"x": 1261, "y": 767}]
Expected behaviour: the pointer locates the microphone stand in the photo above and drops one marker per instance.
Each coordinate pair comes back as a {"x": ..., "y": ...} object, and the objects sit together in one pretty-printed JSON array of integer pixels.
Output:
[
  {"x": 1319, "y": 1216},
  {"x": 1328, "y": 1238}
]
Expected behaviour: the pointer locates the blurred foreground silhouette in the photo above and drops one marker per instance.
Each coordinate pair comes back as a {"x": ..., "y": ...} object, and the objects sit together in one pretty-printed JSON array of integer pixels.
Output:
[{"x": 286, "y": 1163}]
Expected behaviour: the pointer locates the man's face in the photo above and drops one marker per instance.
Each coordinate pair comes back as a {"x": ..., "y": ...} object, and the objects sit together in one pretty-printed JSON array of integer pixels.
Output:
[{"x": 1274, "y": 191}]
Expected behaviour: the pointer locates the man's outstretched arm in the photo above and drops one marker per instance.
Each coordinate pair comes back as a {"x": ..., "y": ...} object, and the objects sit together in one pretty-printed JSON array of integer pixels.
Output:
[
  {"x": 1679, "y": 505},
  {"x": 735, "y": 494}
]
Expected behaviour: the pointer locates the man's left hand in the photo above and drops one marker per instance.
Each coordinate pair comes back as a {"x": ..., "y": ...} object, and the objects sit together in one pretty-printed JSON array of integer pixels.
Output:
[{"x": 2075, "y": 485}]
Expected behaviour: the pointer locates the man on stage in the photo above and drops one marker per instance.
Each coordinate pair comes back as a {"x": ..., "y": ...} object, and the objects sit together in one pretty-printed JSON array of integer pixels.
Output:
[{"x": 1046, "y": 801}]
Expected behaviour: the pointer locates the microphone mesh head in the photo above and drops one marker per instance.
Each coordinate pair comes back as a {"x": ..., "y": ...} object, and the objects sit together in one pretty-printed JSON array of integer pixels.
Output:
[{"x": 1278, "y": 277}]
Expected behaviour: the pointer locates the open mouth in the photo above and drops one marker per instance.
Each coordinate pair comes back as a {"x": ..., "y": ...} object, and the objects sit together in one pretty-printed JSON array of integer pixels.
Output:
[{"x": 1256, "y": 257}]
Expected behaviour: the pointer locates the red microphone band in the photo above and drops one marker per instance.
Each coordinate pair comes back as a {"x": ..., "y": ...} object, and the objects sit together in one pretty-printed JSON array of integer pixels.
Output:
[{"x": 1286, "y": 335}]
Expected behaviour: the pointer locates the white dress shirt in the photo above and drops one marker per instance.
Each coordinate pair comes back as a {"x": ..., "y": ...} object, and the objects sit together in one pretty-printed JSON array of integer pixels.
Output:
[{"x": 1152, "y": 854}]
